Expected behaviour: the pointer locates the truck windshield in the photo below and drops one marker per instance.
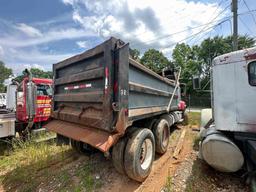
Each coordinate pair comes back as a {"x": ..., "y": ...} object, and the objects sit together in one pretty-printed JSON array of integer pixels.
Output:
[
  {"x": 252, "y": 73},
  {"x": 44, "y": 89}
]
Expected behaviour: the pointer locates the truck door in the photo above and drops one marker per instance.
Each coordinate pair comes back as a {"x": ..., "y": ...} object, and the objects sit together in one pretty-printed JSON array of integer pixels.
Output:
[{"x": 246, "y": 95}]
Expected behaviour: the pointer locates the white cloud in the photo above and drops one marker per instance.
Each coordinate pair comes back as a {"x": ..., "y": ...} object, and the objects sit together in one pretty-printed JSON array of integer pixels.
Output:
[
  {"x": 49, "y": 36},
  {"x": 20, "y": 44},
  {"x": 82, "y": 44},
  {"x": 1, "y": 51},
  {"x": 143, "y": 22},
  {"x": 29, "y": 30},
  {"x": 71, "y": 2},
  {"x": 29, "y": 66},
  {"x": 19, "y": 59}
]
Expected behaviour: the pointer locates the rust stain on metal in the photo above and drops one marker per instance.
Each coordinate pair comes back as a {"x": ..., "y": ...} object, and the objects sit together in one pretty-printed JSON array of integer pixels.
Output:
[
  {"x": 99, "y": 139},
  {"x": 250, "y": 56},
  {"x": 224, "y": 59},
  {"x": 121, "y": 123},
  {"x": 146, "y": 110},
  {"x": 88, "y": 116}
]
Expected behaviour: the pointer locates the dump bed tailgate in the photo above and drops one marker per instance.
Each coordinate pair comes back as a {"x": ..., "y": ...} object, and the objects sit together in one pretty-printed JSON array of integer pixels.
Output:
[{"x": 83, "y": 88}]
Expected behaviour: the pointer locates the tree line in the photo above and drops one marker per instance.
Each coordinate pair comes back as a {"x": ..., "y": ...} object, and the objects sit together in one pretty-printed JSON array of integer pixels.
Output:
[
  {"x": 6, "y": 73},
  {"x": 193, "y": 60}
]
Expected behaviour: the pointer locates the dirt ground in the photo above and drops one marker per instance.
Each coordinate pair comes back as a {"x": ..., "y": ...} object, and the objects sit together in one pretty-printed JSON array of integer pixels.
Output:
[{"x": 75, "y": 172}]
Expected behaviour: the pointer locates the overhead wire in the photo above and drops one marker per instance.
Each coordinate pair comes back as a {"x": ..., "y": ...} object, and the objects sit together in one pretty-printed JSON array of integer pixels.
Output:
[
  {"x": 246, "y": 26},
  {"x": 223, "y": 11},
  {"x": 253, "y": 17},
  {"x": 178, "y": 32},
  {"x": 169, "y": 35},
  {"x": 193, "y": 35}
]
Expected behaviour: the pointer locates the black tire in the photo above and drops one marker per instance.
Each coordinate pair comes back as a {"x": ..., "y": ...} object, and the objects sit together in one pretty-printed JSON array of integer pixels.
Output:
[
  {"x": 139, "y": 154},
  {"x": 74, "y": 145},
  {"x": 161, "y": 132},
  {"x": 81, "y": 147},
  {"x": 118, "y": 155}
]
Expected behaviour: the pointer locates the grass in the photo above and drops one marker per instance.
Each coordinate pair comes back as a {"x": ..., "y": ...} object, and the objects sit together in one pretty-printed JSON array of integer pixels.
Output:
[
  {"x": 194, "y": 118},
  {"x": 21, "y": 167},
  {"x": 29, "y": 166},
  {"x": 193, "y": 121},
  {"x": 168, "y": 185}
]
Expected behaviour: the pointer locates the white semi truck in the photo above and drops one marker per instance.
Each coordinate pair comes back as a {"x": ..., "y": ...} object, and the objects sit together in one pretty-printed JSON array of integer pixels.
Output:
[{"x": 228, "y": 130}]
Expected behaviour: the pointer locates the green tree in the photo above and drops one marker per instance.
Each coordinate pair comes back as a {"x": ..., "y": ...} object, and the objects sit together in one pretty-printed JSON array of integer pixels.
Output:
[
  {"x": 197, "y": 60},
  {"x": 187, "y": 58},
  {"x": 219, "y": 45},
  {"x": 154, "y": 60},
  {"x": 5, "y": 73},
  {"x": 38, "y": 73},
  {"x": 135, "y": 54}
]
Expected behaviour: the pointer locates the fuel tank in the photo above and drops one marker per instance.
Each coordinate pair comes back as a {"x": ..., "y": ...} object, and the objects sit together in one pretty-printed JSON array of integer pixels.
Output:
[{"x": 219, "y": 151}]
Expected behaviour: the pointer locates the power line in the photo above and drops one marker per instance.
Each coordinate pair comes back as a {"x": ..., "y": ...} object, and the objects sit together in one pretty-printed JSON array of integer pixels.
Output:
[
  {"x": 217, "y": 16},
  {"x": 253, "y": 17},
  {"x": 246, "y": 26},
  {"x": 193, "y": 35},
  {"x": 219, "y": 4},
  {"x": 247, "y": 12},
  {"x": 185, "y": 30}
]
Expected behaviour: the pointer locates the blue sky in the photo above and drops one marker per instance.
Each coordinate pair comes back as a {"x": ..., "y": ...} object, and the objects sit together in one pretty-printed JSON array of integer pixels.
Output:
[{"x": 36, "y": 33}]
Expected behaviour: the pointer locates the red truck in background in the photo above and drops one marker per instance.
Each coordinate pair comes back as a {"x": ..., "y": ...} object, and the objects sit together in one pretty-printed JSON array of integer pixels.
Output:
[
  {"x": 31, "y": 106},
  {"x": 40, "y": 104}
]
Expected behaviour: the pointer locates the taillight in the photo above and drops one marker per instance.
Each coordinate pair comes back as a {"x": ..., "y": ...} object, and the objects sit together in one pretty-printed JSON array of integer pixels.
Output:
[{"x": 182, "y": 105}]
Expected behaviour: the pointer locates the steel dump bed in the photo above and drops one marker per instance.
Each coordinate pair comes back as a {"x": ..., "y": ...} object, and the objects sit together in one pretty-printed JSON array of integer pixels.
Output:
[{"x": 101, "y": 92}]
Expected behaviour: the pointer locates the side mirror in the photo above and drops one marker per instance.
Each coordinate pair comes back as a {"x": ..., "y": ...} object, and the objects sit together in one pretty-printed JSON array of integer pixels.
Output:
[{"x": 196, "y": 82}]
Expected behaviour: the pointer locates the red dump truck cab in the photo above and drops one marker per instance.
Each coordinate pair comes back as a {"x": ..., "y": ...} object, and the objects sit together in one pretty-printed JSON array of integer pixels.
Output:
[{"x": 42, "y": 100}]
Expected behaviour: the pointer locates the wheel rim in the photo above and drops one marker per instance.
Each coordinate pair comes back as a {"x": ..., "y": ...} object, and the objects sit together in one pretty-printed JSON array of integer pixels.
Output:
[
  {"x": 146, "y": 154},
  {"x": 165, "y": 137}
]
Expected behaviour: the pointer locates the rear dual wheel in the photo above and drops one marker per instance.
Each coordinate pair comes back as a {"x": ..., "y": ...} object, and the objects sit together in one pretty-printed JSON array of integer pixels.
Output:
[
  {"x": 135, "y": 155},
  {"x": 161, "y": 131}
]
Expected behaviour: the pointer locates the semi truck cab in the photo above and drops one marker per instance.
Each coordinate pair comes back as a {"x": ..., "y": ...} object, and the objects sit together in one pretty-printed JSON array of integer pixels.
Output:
[
  {"x": 228, "y": 130},
  {"x": 40, "y": 103}
]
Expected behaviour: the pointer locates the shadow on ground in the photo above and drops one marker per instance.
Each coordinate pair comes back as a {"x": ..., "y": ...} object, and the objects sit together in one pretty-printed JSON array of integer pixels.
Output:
[
  {"x": 204, "y": 178},
  {"x": 5, "y": 147}
]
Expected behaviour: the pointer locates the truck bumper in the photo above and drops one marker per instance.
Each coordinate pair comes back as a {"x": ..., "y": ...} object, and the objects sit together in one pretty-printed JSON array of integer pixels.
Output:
[
  {"x": 7, "y": 127},
  {"x": 96, "y": 138}
]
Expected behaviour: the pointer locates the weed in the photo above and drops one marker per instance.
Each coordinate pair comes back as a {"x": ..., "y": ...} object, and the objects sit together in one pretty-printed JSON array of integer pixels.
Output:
[
  {"x": 26, "y": 162},
  {"x": 194, "y": 118},
  {"x": 196, "y": 143},
  {"x": 168, "y": 186},
  {"x": 86, "y": 178}
]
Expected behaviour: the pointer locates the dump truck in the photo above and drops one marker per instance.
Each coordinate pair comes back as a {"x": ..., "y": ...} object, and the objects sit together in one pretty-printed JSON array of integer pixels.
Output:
[
  {"x": 28, "y": 106},
  {"x": 104, "y": 99},
  {"x": 228, "y": 129}
]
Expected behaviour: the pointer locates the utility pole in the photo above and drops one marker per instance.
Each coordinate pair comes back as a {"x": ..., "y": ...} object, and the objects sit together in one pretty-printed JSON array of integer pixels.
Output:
[{"x": 235, "y": 30}]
